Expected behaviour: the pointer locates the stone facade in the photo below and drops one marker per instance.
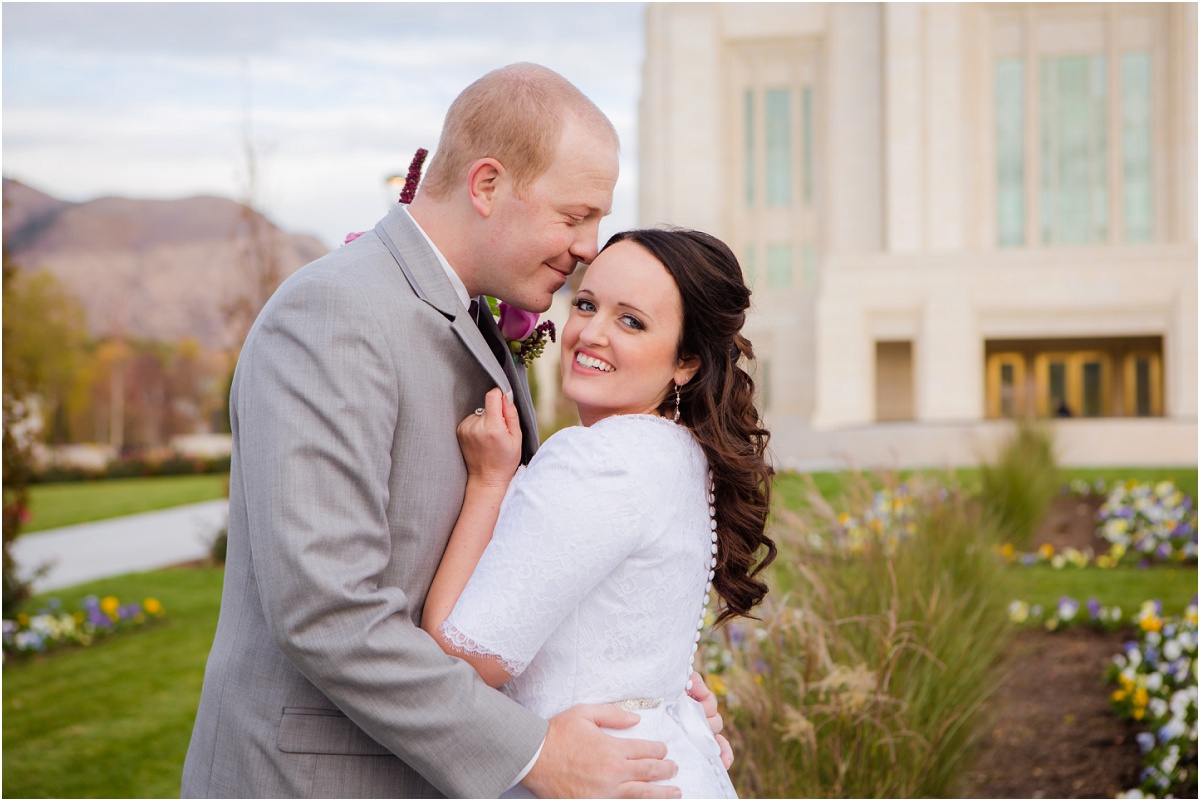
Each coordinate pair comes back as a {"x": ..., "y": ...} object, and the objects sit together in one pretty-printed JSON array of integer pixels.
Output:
[{"x": 951, "y": 215}]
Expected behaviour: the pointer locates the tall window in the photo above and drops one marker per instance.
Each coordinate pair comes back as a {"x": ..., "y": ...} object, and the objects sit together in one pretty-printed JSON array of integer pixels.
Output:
[
  {"x": 1074, "y": 150},
  {"x": 1010, "y": 151},
  {"x": 779, "y": 266},
  {"x": 806, "y": 143},
  {"x": 1137, "y": 195},
  {"x": 779, "y": 147},
  {"x": 1073, "y": 123},
  {"x": 772, "y": 116},
  {"x": 748, "y": 145}
]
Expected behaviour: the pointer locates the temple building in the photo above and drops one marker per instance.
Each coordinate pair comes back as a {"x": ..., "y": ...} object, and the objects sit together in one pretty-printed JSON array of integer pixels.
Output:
[{"x": 952, "y": 215}]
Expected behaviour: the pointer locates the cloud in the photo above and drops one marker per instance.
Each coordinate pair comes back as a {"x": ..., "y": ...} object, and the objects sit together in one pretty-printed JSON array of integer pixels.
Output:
[{"x": 150, "y": 99}]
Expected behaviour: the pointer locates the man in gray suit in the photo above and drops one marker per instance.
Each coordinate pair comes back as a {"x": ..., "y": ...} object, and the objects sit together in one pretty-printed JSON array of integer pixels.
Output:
[{"x": 347, "y": 479}]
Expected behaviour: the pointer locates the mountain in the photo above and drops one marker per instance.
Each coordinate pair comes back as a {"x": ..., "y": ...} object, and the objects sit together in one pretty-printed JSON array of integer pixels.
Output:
[{"x": 154, "y": 269}]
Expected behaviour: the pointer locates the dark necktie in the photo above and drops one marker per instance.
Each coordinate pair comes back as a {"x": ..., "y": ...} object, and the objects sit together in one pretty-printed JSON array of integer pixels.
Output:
[{"x": 482, "y": 315}]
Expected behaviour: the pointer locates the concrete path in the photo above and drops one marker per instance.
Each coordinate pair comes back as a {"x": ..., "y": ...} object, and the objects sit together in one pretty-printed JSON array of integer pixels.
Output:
[{"x": 145, "y": 541}]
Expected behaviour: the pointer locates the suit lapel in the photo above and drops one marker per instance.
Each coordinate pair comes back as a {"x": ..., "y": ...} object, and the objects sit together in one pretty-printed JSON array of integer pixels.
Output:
[{"x": 424, "y": 274}]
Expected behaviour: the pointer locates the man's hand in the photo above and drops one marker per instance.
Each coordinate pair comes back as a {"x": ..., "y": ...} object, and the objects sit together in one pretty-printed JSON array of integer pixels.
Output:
[
  {"x": 579, "y": 760},
  {"x": 700, "y": 692}
]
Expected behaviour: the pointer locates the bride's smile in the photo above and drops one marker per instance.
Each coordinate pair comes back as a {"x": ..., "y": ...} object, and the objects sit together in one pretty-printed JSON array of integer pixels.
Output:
[{"x": 621, "y": 342}]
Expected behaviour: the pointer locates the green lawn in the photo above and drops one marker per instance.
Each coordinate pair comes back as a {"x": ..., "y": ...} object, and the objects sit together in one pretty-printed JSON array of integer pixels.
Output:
[
  {"x": 113, "y": 720},
  {"x": 791, "y": 488},
  {"x": 1126, "y": 587},
  {"x": 53, "y": 505}
]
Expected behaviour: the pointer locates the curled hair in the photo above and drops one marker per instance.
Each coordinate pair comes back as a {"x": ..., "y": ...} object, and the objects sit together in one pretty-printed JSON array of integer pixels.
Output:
[
  {"x": 718, "y": 404},
  {"x": 516, "y": 115}
]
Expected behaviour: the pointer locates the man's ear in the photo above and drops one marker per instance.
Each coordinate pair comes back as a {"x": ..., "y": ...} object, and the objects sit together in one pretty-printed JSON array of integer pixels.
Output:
[
  {"x": 483, "y": 184},
  {"x": 687, "y": 369}
]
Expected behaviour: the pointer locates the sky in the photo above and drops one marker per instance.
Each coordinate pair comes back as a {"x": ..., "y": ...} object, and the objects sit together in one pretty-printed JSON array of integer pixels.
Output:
[{"x": 154, "y": 100}]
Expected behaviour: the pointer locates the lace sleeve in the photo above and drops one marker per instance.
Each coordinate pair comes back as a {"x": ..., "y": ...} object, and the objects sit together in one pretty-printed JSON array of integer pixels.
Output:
[{"x": 568, "y": 522}]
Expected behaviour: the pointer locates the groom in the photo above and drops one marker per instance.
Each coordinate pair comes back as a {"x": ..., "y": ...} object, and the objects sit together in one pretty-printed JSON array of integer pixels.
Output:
[{"x": 347, "y": 479}]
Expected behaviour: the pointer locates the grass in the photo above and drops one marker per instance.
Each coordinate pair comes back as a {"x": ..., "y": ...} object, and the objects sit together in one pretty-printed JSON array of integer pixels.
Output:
[
  {"x": 1126, "y": 586},
  {"x": 1017, "y": 488},
  {"x": 54, "y": 505},
  {"x": 863, "y": 680},
  {"x": 1184, "y": 477},
  {"x": 113, "y": 720}
]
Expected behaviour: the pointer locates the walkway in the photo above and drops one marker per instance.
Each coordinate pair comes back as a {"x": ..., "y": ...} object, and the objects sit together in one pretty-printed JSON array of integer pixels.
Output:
[{"x": 130, "y": 544}]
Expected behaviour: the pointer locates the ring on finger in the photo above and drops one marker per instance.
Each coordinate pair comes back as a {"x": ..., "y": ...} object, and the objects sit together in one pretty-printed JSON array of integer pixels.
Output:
[{"x": 479, "y": 412}]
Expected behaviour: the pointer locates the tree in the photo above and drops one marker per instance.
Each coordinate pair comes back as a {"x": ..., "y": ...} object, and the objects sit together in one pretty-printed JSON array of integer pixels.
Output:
[
  {"x": 257, "y": 239},
  {"x": 44, "y": 333}
]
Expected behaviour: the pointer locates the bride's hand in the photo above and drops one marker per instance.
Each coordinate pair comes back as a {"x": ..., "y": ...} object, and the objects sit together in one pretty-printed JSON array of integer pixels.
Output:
[{"x": 491, "y": 442}]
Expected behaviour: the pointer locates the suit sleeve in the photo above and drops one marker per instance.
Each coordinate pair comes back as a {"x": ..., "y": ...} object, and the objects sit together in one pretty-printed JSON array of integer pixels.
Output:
[{"x": 317, "y": 411}]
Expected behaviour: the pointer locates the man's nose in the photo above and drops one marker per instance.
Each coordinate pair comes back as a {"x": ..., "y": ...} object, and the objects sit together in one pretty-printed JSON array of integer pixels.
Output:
[{"x": 584, "y": 248}]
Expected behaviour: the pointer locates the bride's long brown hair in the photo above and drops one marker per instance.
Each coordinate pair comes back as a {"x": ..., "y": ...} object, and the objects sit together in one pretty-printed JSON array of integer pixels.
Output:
[{"x": 718, "y": 404}]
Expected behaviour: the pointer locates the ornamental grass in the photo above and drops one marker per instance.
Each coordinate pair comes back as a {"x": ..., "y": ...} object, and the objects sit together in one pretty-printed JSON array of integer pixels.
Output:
[
  {"x": 864, "y": 676},
  {"x": 1017, "y": 487}
]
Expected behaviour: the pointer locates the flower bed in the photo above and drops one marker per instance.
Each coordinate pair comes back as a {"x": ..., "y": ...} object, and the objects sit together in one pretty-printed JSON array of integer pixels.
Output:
[
  {"x": 1156, "y": 678},
  {"x": 1067, "y": 611},
  {"x": 53, "y": 627},
  {"x": 889, "y": 519},
  {"x": 1155, "y": 523}
]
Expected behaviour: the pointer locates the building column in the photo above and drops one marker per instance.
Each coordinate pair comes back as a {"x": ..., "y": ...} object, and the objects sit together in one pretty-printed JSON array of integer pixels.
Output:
[
  {"x": 844, "y": 374},
  {"x": 949, "y": 355}
]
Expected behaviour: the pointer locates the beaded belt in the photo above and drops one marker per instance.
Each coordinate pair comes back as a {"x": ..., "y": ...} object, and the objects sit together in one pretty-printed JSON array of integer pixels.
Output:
[
  {"x": 685, "y": 711},
  {"x": 634, "y": 704}
]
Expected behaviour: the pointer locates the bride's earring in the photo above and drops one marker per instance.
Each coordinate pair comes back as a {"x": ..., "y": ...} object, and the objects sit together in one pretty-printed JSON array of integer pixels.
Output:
[{"x": 676, "y": 402}]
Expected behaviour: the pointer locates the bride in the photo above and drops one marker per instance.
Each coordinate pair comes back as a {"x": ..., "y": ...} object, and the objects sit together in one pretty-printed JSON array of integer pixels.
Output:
[{"x": 587, "y": 576}]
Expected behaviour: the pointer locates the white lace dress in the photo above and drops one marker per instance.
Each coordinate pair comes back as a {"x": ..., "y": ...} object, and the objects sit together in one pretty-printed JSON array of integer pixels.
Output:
[{"x": 594, "y": 585}]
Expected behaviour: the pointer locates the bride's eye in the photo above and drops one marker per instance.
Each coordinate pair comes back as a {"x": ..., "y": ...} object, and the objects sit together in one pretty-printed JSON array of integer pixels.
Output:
[
  {"x": 632, "y": 322},
  {"x": 584, "y": 305}
]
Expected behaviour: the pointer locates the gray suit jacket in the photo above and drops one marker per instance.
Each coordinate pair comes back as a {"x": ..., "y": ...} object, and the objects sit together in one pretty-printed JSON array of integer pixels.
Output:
[{"x": 345, "y": 484}]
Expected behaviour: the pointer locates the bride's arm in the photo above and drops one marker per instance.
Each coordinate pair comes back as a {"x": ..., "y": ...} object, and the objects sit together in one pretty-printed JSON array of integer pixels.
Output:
[{"x": 491, "y": 445}]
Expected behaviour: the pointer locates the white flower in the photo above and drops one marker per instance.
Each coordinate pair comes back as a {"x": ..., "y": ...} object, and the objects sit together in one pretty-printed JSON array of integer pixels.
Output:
[
  {"x": 1154, "y": 681},
  {"x": 1172, "y": 650},
  {"x": 1158, "y": 708}
]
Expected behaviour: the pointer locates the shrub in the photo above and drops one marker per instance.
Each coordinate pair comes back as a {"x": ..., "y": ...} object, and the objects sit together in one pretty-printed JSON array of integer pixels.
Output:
[
  {"x": 1016, "y": 489},
  {"x": 135, "y": 467}
]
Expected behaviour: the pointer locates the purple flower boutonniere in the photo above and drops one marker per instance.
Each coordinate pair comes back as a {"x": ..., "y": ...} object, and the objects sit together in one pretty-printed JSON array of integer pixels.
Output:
[{"x": 526, "y": 337}]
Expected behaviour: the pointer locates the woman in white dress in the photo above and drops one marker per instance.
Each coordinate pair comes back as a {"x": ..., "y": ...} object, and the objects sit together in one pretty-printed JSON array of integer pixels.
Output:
[{"x": 608, "y": 547}]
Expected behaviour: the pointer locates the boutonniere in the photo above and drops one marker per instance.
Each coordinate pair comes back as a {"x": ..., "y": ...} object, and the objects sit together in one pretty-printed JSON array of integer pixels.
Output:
[{"x": 525, "y": 336}]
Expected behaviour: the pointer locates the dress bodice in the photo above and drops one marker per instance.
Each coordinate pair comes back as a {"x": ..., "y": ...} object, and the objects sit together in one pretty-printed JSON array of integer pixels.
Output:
[{"x": 594, "y": 582}]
